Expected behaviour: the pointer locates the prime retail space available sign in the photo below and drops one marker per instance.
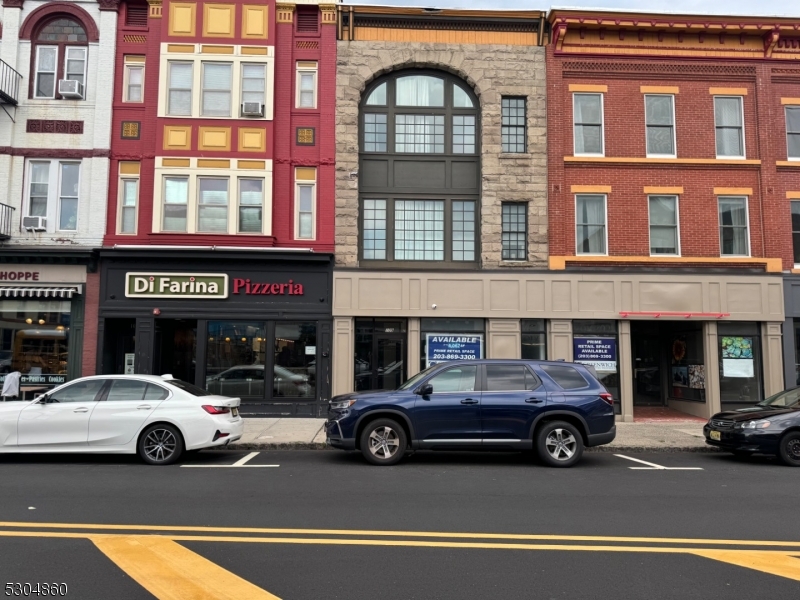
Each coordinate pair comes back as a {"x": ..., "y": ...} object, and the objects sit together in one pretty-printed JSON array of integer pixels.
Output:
[
  {"x": 599, "y": 352},
  {"x": 443, "y": 347}
]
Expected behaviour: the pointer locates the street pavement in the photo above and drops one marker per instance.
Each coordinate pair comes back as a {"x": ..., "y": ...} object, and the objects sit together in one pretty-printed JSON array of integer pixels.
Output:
[
  {"x": 301, "y": 524},
  {"x": 281, "y": 433}
]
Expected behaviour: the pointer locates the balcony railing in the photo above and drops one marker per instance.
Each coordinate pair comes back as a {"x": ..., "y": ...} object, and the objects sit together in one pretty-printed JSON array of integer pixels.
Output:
[
  {"x": 9, "y": 84},
  {"x": 6, "y": 214}
]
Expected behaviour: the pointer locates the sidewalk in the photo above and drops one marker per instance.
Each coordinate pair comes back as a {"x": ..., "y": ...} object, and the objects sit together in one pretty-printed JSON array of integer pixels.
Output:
[{"x": 278, "y": 433}]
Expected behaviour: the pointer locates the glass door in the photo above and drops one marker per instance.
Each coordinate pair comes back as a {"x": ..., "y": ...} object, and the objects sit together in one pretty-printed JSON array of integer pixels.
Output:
[
  {"x": 380, "y": 354},
  {"x": 646, "y": 344},
  {"x": 295, "y": 360}
]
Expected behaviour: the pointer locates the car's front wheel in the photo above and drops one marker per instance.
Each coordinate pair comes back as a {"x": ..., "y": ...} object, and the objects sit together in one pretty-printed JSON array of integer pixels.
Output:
[
  {"x": 160, "y": 444},
  {"x": 559, "y": 444},
  {"x": 383, "y": 442},
  {"x": 789, "y": 449}
]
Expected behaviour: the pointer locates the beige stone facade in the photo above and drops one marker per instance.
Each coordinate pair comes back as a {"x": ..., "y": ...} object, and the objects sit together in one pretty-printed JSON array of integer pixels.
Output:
[{"x": 492, "y": 71}]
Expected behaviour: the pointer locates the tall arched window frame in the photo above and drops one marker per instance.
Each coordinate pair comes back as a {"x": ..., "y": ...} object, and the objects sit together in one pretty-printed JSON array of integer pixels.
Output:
[
  {"x": 60, "y": 51},
  {"x": 419, "y": 173}
]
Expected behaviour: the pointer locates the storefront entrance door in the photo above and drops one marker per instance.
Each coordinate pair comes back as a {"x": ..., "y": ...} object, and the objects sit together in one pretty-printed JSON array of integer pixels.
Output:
[
  {"x": 380, "y": 355},
  {"x": 176, "y": 348},
  {"x": 647, "y": 353}
]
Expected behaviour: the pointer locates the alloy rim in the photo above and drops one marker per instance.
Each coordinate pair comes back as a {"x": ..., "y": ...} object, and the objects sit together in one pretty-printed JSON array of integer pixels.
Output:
[
  {"x": 561, "y": 444},
  {"x": 793, "y": 448},
  {"x": 160, "y": 445},
  {"x": 384, "y": 442}
]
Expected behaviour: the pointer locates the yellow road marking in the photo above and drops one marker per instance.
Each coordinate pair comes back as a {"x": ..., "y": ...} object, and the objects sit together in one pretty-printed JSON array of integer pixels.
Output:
[
  {"x": 768, "y": 562},
  {"x": 170, "y": 571},
  {"x": 413, "y": 534}
]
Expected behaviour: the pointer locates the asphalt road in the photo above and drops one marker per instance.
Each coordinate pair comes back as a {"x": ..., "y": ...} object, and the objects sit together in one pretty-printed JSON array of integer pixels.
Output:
[{"x": 373, "y": 526}]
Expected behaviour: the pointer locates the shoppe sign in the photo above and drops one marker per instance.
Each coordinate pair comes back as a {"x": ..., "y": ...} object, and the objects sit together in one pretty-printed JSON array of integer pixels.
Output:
[
  {"x": 176, "y": 285},
  {"x": 601, "y": 353},
  {"x": 442, "y": 347}
]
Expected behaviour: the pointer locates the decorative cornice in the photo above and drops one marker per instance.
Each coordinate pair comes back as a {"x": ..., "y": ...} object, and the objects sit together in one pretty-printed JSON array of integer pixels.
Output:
[
  {"x": 53, "y": 126},
  {"x": 12, "y": 3},
  {"x": 112, "y": 5},
  {"x": 627, "y": 69},
  {"x": 328, "y": 14},
  {"x": 155, "y": 9},
  {"x": 284, "y": 12}
]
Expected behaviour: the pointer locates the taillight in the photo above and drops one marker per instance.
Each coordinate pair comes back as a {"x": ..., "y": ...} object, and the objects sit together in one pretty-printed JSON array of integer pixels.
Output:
[
  {"x": 607, "y": 398},
  {"x": 216, "y": 410}
]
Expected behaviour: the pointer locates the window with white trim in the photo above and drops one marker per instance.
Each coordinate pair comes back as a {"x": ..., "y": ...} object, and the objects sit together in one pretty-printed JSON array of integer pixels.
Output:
[
  {"x": 254, "y": 83},
  {"x": 306, "y": 93},
  {"x": 251, "y": 205},
  {"x": 793, "y": 132},
  {"x": 664, "y": 238},
  {"x": 212, "y": 204},
  {"x": 60, "y": 51},
  {"x": 179, "y": 94},
  {"x": 133, "y": 82},
  {"x": 588, "y": 124},
  {"x": 128, "y": 199},
  {"x": 659, "y": 115},
  {"x": 796, "y": 230},
  {"x": 216, "y": 89},
  {"x": 176, "y": 203},
  {"x": 53, "y": 192},
  {"x": 734, "y": 237},
  {"x": 305, "y": 199},
  {"x": 590, "y": 220},
  {"x": 729, "y": 125}
]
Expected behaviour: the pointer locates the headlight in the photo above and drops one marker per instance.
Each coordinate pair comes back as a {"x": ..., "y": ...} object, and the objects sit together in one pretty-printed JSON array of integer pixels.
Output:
[
  {"x": 343, "y": 404},
  {"x": 760, "y": 424}
]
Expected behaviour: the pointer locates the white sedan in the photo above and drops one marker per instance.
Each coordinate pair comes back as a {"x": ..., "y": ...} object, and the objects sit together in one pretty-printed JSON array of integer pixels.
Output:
[{"x": 157, "y": 418}]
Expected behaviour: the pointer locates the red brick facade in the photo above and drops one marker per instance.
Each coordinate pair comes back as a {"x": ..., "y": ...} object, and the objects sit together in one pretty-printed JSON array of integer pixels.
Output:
[{"x": 625, "y": 56}]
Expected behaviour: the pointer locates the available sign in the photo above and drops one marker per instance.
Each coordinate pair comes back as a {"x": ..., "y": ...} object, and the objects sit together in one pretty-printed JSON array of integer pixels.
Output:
[
  {"x": 601, "y": 353},
  {"x": 176, "y": 285},
  {"x": 442, "y": 347}
]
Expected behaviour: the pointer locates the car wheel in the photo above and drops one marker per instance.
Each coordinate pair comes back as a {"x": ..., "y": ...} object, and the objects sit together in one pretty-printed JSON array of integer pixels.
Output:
[
  {"x": 789, "y": 449},
  {"x": 383, "y": 442},
  {"x": 160, "y": 445},
  {"x": 559, "y": 444}
]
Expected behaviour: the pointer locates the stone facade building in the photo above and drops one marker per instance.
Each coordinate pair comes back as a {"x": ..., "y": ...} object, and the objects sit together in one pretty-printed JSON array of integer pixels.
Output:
[{"x": 441, "y": 191}]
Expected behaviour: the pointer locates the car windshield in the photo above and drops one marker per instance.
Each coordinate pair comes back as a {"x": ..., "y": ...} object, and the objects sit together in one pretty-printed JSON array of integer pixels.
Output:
[
  {"x": 415, "y": 379},
  {"x": 188, "y": 387},
  {"x": 783, "y": 399}
]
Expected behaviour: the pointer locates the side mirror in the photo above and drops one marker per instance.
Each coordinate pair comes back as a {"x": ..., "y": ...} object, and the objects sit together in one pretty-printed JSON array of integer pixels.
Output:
[
  {"x": 42, "y": 399},
  {"x": 425, "y": 390}
]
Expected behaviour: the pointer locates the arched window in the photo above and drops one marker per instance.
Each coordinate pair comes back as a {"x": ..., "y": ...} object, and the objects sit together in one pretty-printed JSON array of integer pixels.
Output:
[
  {"x": 419, "y": 174},
  {"x": 60, "y": 49}
]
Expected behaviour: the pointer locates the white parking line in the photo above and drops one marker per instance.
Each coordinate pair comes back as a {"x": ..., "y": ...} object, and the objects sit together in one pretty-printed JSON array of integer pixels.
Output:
[
  {"x": 238, "y": 464},
  {"x": 654, "y": 467}
]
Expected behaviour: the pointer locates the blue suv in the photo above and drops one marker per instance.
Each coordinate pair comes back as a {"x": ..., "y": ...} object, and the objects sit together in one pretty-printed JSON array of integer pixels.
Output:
[{"x": 555, "y": 408}]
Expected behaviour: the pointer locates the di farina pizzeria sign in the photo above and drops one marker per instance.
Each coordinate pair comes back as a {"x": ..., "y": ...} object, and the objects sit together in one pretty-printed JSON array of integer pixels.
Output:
[{"x": 176, "y": 285}]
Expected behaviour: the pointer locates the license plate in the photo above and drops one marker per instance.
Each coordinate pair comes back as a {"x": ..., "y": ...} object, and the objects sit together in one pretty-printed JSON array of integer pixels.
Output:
[
  {"x": 235, "y": 412},
  {"x": 715, "y": 435}
]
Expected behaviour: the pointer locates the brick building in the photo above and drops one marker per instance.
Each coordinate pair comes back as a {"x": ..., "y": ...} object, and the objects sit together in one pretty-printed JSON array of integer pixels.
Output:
[
  {"x": 55, "y": 61},
  {"x": 216, "y": 259},
  {"x": 441, "y": 208},
  {"x": 669, "y": 190}
]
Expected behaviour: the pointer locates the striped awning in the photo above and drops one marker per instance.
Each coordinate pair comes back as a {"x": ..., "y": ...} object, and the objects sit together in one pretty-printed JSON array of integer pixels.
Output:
[{"x": 53, "y": 291}]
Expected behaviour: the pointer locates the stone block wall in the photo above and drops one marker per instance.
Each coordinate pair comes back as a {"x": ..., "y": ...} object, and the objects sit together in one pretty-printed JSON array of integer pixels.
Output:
[{"x": 493, "y": 71}]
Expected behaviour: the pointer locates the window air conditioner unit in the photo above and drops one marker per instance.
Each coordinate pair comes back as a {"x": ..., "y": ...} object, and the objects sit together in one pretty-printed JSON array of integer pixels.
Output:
[
  {"x": 34, "y": 223},
  {"x": 252, "y": 109},
  {"x": 70, "y": 88}
]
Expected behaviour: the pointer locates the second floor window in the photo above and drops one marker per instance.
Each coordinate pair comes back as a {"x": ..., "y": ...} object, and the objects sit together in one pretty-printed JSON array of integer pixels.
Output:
[
  {"x": 796, "y": 231},
  {"x": 60, "y": 52},
  {"x": 53, "y": 193},
  {"x": 663, "y": 225},
  {"x": 590, "y": 219},
  {"x": 179, "y": 99},
  {"x": 588, "y": 124},
  {"x": 217, "y": 80},
  {"x": 729, "y": 123},
  {"x": 133, "y": 83},
  {"x": 793, "y": 132},
  {"x": 306, "y": 85},
  {"x": 515, "y": 225},
  {"x": 660, "y": 120},
  {"x": 733, "y": 231},
  {"x": 513, "y": 124}
]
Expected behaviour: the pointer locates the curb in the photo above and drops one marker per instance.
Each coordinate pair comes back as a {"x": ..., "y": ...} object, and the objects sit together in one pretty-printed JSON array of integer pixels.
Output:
[{"x": 323, "y": 446}]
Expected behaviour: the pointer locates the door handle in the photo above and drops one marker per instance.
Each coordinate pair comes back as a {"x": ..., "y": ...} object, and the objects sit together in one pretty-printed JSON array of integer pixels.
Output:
[
  {"x": 144, "y": 407},
  {"x": 469, "y": 401},
  {"x": 84, "y": 409},
  {"x": 534, "y": 400}
]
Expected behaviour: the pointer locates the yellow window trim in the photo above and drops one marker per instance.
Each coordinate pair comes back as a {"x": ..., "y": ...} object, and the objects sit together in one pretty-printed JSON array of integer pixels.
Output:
[
  {"x": 721, "y": 91},
  {"x": 732, "y": 191},
  {"x": 590, "y": 189},
  {"x": 129, "y": 168},
  {"x": 663, "y": 190},
  {"x": 659, "y": 89},
  {"x": 771, "y": 265}
]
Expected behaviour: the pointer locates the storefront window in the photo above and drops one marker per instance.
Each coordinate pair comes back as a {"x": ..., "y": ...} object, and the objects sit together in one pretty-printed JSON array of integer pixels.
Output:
[
  {"x": 534, "y": 339},
  {"x": 34, "y": 335},
  {"x": 687, "y": 371},
  {"x": 450, "y": 339},
  {"x": 295, "y": 360},
  {"x": 595, "y": 343},
  {"x": 740, "y": 380},
  {"x": 235, "y": 358}
]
